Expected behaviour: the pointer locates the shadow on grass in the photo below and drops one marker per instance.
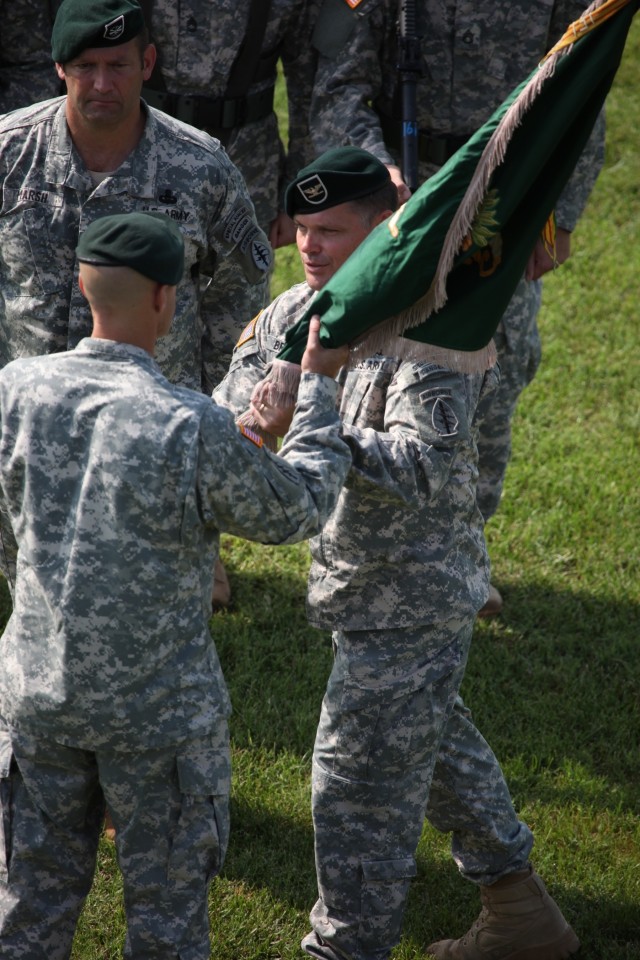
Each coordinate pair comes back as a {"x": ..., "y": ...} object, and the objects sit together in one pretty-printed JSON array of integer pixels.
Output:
[
  {"x": 275, "y": 853},
  {"x": 272, "y": 850},
  {"x": 442, "y": 905},
  {"x": 553, "y": 683},
  {"x": 553, "y": 686}
]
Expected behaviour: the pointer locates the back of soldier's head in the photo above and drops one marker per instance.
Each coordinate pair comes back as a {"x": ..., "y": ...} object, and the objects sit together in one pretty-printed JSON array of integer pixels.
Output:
[{"x": 123, "y": 258}]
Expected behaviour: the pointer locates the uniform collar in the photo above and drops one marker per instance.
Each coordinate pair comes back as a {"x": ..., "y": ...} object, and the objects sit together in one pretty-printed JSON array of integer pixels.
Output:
[
  {"x": 115, "y": 350},
  {"x": 136, "y": 175}
]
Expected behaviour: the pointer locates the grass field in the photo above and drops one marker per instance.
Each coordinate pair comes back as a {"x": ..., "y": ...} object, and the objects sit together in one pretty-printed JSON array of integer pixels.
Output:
[{"x": 554, "y": 683}]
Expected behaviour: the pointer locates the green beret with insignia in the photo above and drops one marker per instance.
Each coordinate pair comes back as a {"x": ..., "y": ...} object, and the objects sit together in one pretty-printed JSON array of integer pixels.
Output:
[
  {"x": 149, "y": 243},
  {"x": 337, "y": 176},
  {"x": 81, "y": 24}
]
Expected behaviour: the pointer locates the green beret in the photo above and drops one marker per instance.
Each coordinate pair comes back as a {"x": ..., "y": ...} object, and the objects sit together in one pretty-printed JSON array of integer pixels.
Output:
[
  {"x": 339, "y": 175},
  {"x": 150, "y": 243},
  {"x": 81, "y": 24}
]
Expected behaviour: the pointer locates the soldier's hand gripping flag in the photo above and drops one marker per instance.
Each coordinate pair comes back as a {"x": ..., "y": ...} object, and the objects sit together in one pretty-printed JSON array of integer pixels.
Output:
[{"x": 434, "y": 280}]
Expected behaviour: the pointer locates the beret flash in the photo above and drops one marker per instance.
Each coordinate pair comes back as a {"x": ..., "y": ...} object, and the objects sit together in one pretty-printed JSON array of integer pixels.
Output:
[
  {"x": 337, "y": 176},
  {"x": 81, "y": 24}
]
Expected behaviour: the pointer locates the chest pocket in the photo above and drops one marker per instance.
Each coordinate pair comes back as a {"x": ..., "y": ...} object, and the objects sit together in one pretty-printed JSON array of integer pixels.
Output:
[
  {"x": 33, "y": 267},
  {"x": 365, "y": 392},
  {"x": 528, "y": 29}
]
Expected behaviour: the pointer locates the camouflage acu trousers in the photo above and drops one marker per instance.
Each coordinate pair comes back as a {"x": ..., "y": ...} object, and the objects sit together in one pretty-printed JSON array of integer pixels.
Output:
[
  {"x": 394, "y": 744},
  {"x": 170, "y": 808},
  {"x": 518, "y": 344}
]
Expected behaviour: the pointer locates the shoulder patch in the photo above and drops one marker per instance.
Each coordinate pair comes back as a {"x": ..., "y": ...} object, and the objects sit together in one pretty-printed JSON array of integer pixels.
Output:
[
  {"x": 444, "y": 419},
  {"x": 251, "y": 435},
  {"x": 249, "y": 331},
  {"x": 241, "y": 234}
]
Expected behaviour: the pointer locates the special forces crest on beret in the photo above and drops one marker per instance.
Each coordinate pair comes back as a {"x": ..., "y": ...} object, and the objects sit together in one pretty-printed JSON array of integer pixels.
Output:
[
  {"x": 115, "y": 29},
  {"x": 313, "y": 189}
]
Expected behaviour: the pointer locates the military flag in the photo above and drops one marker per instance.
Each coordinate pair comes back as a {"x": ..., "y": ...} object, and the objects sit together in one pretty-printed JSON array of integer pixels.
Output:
[{"x": 442, "y": 270}]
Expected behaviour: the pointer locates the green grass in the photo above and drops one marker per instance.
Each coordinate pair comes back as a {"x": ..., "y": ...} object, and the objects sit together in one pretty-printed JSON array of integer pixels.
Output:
[{"x": 554, "y": 683}]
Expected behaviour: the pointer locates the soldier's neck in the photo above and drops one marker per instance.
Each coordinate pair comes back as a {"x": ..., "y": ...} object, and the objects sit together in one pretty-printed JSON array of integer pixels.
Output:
[{"x": 105, "y": 149}]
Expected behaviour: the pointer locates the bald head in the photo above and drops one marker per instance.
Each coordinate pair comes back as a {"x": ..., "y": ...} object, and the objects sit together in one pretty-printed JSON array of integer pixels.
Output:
[
  {"x": 126, "y": 306},
  {"x": 130, "y": 265},
  {"x": 114, "y": 290}
]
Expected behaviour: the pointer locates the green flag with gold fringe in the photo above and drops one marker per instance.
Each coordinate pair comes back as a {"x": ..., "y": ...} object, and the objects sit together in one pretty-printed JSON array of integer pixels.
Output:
[{"x": 442, "y": 270}]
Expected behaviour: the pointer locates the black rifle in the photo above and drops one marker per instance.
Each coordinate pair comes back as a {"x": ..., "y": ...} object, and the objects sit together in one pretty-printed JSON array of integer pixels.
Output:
[{"x": 409, "y": 70}]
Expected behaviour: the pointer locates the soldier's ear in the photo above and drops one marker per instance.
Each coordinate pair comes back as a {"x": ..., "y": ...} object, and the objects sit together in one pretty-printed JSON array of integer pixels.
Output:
[
  {"x": 380, "y": 217},
  {"x": 148, "y": 61}
]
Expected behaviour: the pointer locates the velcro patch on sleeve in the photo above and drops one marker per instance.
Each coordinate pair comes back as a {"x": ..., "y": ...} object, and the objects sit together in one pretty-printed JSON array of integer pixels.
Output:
[
  {"x": 251, "y": 435},
  {"x": 249, "y": 331}
]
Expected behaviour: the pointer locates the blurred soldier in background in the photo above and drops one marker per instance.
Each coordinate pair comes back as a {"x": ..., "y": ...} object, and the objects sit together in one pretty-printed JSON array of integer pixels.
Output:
[
  {"x": 26, "y": 72},
  {"x": 217, "y": 68}
]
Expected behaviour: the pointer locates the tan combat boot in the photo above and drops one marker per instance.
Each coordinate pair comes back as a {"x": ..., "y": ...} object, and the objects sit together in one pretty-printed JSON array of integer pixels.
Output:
[{"x": 518, "y": 921}]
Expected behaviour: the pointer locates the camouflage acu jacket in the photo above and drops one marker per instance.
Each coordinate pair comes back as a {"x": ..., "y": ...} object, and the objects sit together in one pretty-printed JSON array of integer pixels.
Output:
[
  {"x": 117, "y": 484},
  {"x": 198, "y": 43},
  {"x": 473, "y": 55},
  {"x": 405, "y": 544},
  {"x": 49, "y": 198}
]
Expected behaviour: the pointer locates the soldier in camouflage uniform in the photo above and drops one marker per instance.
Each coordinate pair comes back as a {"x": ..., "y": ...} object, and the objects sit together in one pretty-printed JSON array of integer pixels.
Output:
[
  {"x": 99, "y": 151},
  {"x": 117, "y": 484},
  {"x": 26, "y": 72},
  {"x": 66, "y": 163},
  {"x": 198, "y": 43},
  {"x": 473, "y": 55},
  {"x": 398, "y": 574}
]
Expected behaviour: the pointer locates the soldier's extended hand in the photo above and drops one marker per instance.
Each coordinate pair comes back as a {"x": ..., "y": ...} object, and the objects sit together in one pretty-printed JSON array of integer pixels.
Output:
[
  {"x": 540, "y": 261},
  {"x": 318, "y": 359}
]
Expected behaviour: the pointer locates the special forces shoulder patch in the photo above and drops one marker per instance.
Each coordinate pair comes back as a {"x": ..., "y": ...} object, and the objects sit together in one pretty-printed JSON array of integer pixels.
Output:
[
  {"x": 444, "y": 419},
  {"x": 251, "y": 435},
  {"x": 241, "y": 232},
  {"x": 261, "y": 255}
]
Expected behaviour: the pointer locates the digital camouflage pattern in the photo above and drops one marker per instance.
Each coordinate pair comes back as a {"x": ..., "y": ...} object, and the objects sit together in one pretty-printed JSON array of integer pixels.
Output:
[
  {"x": 408, "y": 502},
  {"x": 394, "y": 740},
  {"x": 473, "y": 55},
  {"x": 27, "y": 73},
  {"x": 174, "y": 803},
  {"x": 117, "y": 485},
  {"x": 260, "y": 341},
  {"x": 198, "y": 42},
  {"x": 398, "y": 572},
  {"x": 49, "y": 198}
]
